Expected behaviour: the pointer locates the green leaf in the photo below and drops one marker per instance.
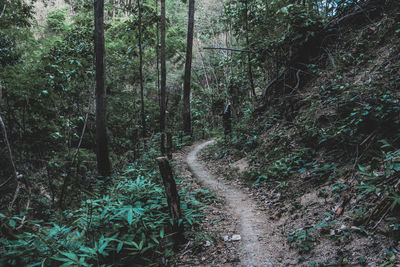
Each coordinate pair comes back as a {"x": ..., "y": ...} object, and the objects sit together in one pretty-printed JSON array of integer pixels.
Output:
[
  {"x": 138, "y": 211},
  {"x": 70, "y": 255},
  {"x": 162, "y": 233},
  {"x": 136, "y": 245},
  {"x": 102, "y": 247},
  {"x": 361, "y": 167},
  {"x": 396, "y": 166},
  {"x": 119, "y": 247},
  {"x": 130, "y": 216},
  {"x": 141, "y": 245}
]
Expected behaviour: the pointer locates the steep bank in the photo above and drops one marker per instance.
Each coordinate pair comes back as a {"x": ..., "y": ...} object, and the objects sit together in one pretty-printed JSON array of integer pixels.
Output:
[{"x": 325, "y": 154}]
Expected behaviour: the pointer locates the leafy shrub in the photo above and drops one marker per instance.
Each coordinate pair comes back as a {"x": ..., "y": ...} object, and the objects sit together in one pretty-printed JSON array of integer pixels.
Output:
[
  {"x": 128, "y": 225},
  {"x": 56, "y": 20}
]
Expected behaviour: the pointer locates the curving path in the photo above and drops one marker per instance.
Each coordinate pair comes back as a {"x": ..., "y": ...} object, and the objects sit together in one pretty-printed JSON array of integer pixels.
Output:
[{"x": 260, "y": 243}]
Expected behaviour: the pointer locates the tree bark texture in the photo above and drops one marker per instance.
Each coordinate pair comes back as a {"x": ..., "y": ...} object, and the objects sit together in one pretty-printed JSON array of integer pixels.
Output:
[
  {"x": 249, "y": 65},
  {"x": 187, "y": 120},
  {"x": 158, "y": 54},
  {"x": 143, "y": 115},
  {"x": 162, "y": 144},
  {"x": 163, "y": 90},
  {"x": 172, "y": 197},
  {"x": 169, "y": 145},
  {"x": 103, "y": 160}
]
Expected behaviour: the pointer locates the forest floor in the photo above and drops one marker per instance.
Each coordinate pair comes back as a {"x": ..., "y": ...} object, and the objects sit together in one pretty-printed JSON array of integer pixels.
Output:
[
  {"x": 246, "y": 226},
  {"x": 236, "y": 230}
]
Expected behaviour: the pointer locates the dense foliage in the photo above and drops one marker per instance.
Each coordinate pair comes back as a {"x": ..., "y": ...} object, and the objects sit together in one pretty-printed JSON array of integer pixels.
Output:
[{"x": 313, "y": 85}]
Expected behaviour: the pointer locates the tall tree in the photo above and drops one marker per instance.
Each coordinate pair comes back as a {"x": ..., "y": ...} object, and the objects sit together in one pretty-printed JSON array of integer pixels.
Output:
[
  {"x": 158, "y": 53},
  {"x": 187, "y": 123},
  {"x": 249, "y": 64},
  {"x": 103, "y": 159},
  {"x": 143, "y": 115},
  {"x": 163, "y": 90}
]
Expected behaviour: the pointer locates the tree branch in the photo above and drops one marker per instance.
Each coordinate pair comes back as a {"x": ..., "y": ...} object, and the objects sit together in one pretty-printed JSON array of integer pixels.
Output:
[
  {"x": 2, "y": 12},
  {"x": 228, "y": 49}
]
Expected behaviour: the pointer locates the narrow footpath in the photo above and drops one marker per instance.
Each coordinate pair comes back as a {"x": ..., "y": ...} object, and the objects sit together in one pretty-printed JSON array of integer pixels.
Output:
[{"x": 261, "y": 243}]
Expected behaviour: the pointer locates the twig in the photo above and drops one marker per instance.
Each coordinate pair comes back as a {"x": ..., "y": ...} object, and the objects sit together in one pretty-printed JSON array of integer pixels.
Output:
[
  {"x": 64, "y": 186},
  {"x": 227, "y": 49},
  {"x": 15, "y": 195},
  {"x": 3, "y": 128},
  {"x": 383, "y": 216},
  {"x": 366, "y": 14},
  {"x": 28, "y": 203},
  {"x": 369, "y": 136},
  {"x": 2, "y": 12},
  {"x": 298, "y": 79},
  {"x": 16, "y": 176},
  {"x": 81, "y": 138},
  {"x": 1, "y": 91}
]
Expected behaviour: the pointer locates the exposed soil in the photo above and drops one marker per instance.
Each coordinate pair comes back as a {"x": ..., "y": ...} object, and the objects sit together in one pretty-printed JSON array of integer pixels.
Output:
[
  {"x": 318, "y": 218},
  {"x": 261, "y": 241},
  {"x": 264, "y": 219}
]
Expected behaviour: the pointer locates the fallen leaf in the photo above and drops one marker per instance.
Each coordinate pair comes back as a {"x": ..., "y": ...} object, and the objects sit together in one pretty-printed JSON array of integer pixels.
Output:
[{"x": 339, "y": 211}]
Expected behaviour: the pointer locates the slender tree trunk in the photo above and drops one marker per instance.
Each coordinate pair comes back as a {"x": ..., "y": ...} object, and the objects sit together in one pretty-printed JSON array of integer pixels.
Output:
[
  {"x": 266, "y": 9},
  {"x": 158, "y": 54},
  {"x": 249, "y": 65},
  {"x": 187, "y": 121},
  {"x": 173, "y": 199},
  {"x": 143, "y": 115},
  {"x": 103, "y": 160},
  {"x": 163, "y": 89}
]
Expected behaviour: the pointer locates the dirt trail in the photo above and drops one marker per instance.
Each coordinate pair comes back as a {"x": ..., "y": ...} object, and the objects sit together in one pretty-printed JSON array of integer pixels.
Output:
[{"x": 261, "y": 244}]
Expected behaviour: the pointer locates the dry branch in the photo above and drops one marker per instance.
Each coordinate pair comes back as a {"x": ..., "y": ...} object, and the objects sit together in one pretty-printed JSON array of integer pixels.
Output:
[
  {"x": 2, "y": 12},
  {"x": 227, "y": 49}
]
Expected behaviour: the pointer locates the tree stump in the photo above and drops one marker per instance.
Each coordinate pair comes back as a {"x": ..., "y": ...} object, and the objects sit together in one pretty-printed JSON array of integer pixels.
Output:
[
  {"x": 172, "y": 198},
  {"x": 169, "y": 145}
]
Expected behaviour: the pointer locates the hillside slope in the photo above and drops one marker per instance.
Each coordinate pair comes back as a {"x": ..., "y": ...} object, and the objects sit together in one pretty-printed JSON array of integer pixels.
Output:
[{"x": 325, "y": 157}]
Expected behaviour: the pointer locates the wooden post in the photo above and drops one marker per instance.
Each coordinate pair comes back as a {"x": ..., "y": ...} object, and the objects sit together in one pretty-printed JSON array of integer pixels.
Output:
[
  {"x": 172, "y": 198},
  {"x": 226, "y": 120},
  {"x": 162, "y": 144},
  {"x": 169, "y": 145}
]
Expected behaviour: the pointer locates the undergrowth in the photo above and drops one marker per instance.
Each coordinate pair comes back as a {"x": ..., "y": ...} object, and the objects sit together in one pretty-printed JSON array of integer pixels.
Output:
[
  {"x": 342, "y": 134},
  {"x": 129, "y": 224}
]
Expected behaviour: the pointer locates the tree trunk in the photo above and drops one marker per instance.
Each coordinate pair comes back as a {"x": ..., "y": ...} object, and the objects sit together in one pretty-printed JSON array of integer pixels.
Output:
[
  {"x": 172, "y": 198},
  {"x": 143, "y": 115},
  {"x": 187, "y": 121},
  {"x": 103, "y": 160},
  {"x": 249, "y": 65},
  {"x": 169, "y": 145},
  {"x": 158, "y": 54},
  {"x": 266, "y": 9},
  {"x": 163, "y": 89},
  {"x": 162, "y": 144}
]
